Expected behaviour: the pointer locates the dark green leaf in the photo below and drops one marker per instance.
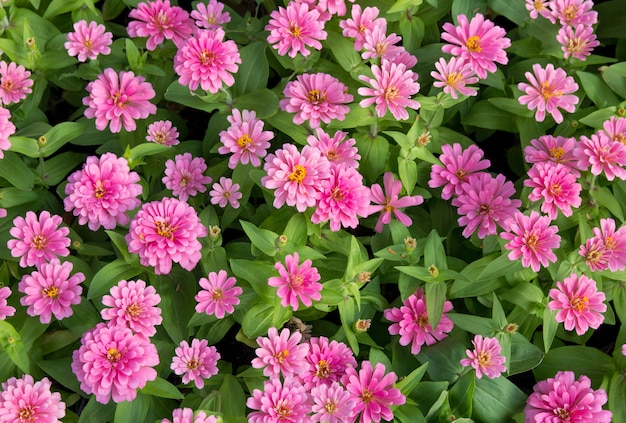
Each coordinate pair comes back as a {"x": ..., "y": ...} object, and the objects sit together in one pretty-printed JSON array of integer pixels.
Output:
[
  {"x": 132, "y": 411},
  {"x": 16, "y": 172},
  {"x": 12, "y": 344},
  {"x": 262, "y": 239},
  {"x": 496, "y": 400},
  {"x": 597, "y": 90},
  {"x": 343, "y": 51},
  {"x": 435, "y": 299},
  {"x": 581, "y": 360},
  {"x": 235, "y": 404},
  {"x": 256, "y": 273},
  {"x": 109, "y": 276},
  {"x": 260, "y": 317},
  {"x": 254, "y": 69},
  {"x": 485, "y": 115},
  {"x": 264, "y": 102},
  {"x": 162, "y": 388}
]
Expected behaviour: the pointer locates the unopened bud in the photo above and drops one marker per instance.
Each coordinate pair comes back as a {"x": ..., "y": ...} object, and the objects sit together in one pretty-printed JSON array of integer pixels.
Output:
[
  {"x": 362, "y": 325},
  {"x": 511, "y": 328},
  {"x": 31, "y": 43},
  {"x": 363, "y": 277},
  {"x": 433, "y": 271},
  {"x": 409, "y": 244},
  {"x": 42, "y": 140},
  {"x": 621, "y": 112},
  {"x": 214, "y": 233},
  {"x": 281, "y": 241},
  {"x": 76, "y": 244}
]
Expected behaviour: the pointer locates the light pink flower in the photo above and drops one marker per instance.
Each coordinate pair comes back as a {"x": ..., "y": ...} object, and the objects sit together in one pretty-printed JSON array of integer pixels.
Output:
[
  {"x": 596, "y": 254},
  {"x": 574, "y": 12},
  {"x": 578, "y": 42},
  {"x": 296, "y": 282},
  {"x": 372, "y": 389},
  {"x": 602, "y": 155},
  {"x": 245, "y": 138},
  {"x": 295, "y": 28},
  {"x": 15, "y": 83},
  {"x": 579, "y": 303},
  {"x": 486, "y": 357},
  {"x": 624, "y": 349},
  {"x": 392, "y": 87},
  {"x": 166, "y": 231},
  {"x": 23, "y": 401},
  {"x": 327, "y": 362},
  {"x": 533, "y": 239},
  {"x": 286, "y": 402},
  {"x": 113, "y": 362},
  {"x": 478, "y": 42},
  {"x": 389, "y": 202},
  {"x": 614, "y": 241},
  {"x": 549, "y": 90},
  {"x": 556, "y": 186},
  {"x": 332, "y": 404},
  {"x": 51, "y": 290},
  {"x": 38, "y": 239},
  {"x": 564, "y": 399},
  {"x": 540, "y": 7},
  {"x": 210, "y": 16},
  {"x": 316, "y": 97},
  {"x": 88, "y": 40},
  {"x": 225, "y": 192},
  {"x": 185, "y": 176},
  {"x": 362, "y": 20},
  {"x": 5, "y": 309},
  {"x": 218, "y": 295},
  {"x": 339, "y": 151},
  {"x": 6, "y": 130},
  {"x": 457, "y": 166},
  {"x": 550, "y": 149},
  {"x": 119, "y": 100},
  {"x": 103, "y": 192},
  {"x": 206, "y": 60},
  {"x": 195, "y": 362},
  {"x": 405, "y": 58},
  {"x": 281, "y": 354},
  {"x": 334, "y": 7},
  {"x": 186, "y": 415},
  {"x": 485, "y": 202},
  {"x": 162, "y": 132},
  {"x": 411, "y": 322},
  {"x": 378, "y": 44},
  {"x": 454, "y": 76},
  {"x": 134, "y": 305},
  {"x": 615, "y": 128},
  {"x": 158, "y": 20}
]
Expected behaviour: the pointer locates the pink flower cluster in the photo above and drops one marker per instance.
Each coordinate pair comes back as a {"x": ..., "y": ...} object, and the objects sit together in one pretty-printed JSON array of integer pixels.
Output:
[
  {"x": 158, "y": 20},
  {"x": 195, "y": 362},
  {"x": 15, "y": 83},
  {"x": 218, "y": 295},
  {"x": 245, "y": 138},
  {"x": 607, "y": 248},
  {"x": 88, "y": 40},
  {"x": 24, "y": 400},
  {"x": 185, "y": 176},
  {"x": 297, "y": 282},
  {"x": 486, "y": 357},
  {"x": 6, "y": 130},
  {"x": 186, "y": 415},
  {"x": 295, "y": 28},
  {"x": 133, "y": 304}
]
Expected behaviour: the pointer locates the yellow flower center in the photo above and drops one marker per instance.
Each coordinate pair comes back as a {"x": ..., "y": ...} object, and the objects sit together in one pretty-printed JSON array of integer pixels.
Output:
[
  {"x": 119, "y": 100},
  {"x": 391, "y": 93},
  {"x": 295, "y": 30},
  {"x": 532, "y": 241},
  {"x": 570, "y": 12},
  {"x": 39, "y": 242},
  {"x": 133, "y": 310},
  {"x": 562, "y": 414},
  {"x": 367, "y": 395},
  {"x": 113, "y": 355},
  {"x": 473, "y": 44},
  {"x": 557, "y": 152},
  {"x": 484, "y": 358},
  {"x": 50, "y": 291},
  {"x": 422, "y": 321},
  {"x": 99, "y": 190},
  {"x": 593, "y": 256},
  {"x": 206, "y": 57},
  {"x": 322, "y": 369},
  {"x": 330, "y": 407},
  {"x": 298, "y": 174},
  {"x": 336, "y": 194},
  {"x": 193, "y": 364},
  {"x": 244, "y": 141},
  {"x": 548, "y": 92},
  {"x": 26, "y": 414},
  {"x": 609, "y": 243},
  {"x": 217, "y": 295},
  {"x": 281, "y": 356},
  {"x": 316, "y": 96},
  {"x": 454, "y": 78},
  {"x": 164, "y": 229},
  {"x": 579, "y": 304},
  {"x": 555, "y": 190}
]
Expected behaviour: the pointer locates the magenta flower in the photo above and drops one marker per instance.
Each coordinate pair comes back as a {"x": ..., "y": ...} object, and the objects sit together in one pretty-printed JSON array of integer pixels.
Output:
[
  {"x": 327, "y": 362},
  {"x": 294, "y": 29},
  {"x": 574, "y": 12},
  {"x": 549, "y": 90},
  {"x": 316, "y": 97},
  {"x": 602, "y": 155},
  {"x": 296, "y": 282},
  {"x": 486, "y": 357},
  {"x": 339, "y": 151},
  {"x": 564, "y": 399},
  {"x": 624, "y": 349},
  {"x": 371, "y": 388},
  {"x": 411, "y": 322},
  {"x": 458, "y": 165},
  {"x": 210, "y": 16},
  {"x": 579, "y": 303},
  {"x": 485, "y": 202},
  {"x": 134, "y": 305},
  {"x": 218, "y": 295},
  {"x": 389, "y": 202},
  {"x": 113, "y": 362},
  {"x": 279, "y": 402},
  {"x": 615, "y": 128},
  {"x": 454, "y": 76},
  {"x": 578, "y": 42},
  {"x": 103, "y": 192},
  {"x": 540, "y": 7},
  {"x": 206, "y": 60},
  {"x": 158, "y": 20},
  {"x": 549, "y": 149},
  {"x": 186, "y": 415},
  {"x": 281, "y": 354},
  {"x": 15, "y": 83},
  {"x": 6, "y": 130},
  {"x": 50, "y": 290},
  {"x": 362, "y": 20},
  {"x": 5, "y": 309},
  {"x": 88, "y": 40},
  {"x": 119, "y": 100},
  {"x": 162, "y": 132},
  {"x": 556, "y": 186},
  {"x": 245, "y": 138},
  {"x": 332, "y": 404},
  {"x": 38, "y": 239},
  {"x": 478, "y": 42},
  {"x": 185, "y": 176},
  {"x": 614, "y": 241},
  {"x": 334, "y": 7},
  {"x": 23, "y": 401},
  {"x": 596, "y": 254},
  {"x": 295, "y": 176},
  {"x": 533, "y": 239},
  {"x": 196, "y": 362},
  {"x": 378, "y": 44},
  {"x": 392, "y": 86},
  {"x": 166, "y": 231},
  {"x": 225, "y": 192}
]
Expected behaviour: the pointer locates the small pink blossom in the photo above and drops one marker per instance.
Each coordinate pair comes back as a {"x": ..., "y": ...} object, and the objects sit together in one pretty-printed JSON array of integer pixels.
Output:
[
  {"x": 297, "y": 282},
  {"x": 88, "y": 40},
  {"x": 210, "y": 16},
  {"x": 624, "y": 349},
  {"x": 596, "y": 254},
  {"x": 295, "y": 28},
  {"x": 195, "y": 362},
  {"x": 362, "y": 20},
  {"x": 614, "y": 241},
  {"x": 23, "y": 401},
  {"x": 332, "y": 404},
  {"x": 574, "y": 12},
  {"x": 603, "y": 156},
  {"x": 158, "y": 20},
  {"x": 162, "y": 132},
  {"x": 339, "y": 151},
  {"x": 6, "y": 130},
  {"x": 457, "y": 166},
  {"x": 327, "y": 361},
  {"x": 615, "y": 128},
  {"x": 134, "y": 305},
  {"x": 550, "y": 149},
  {"x": 556, "y": 186},
  {"x": 377, "y": 44},
  {"x": 38, "y": 239},
  {"x": 218, "y": 295},
  {"x": 185, "y": 176},
  {"x": 578, "y": 42},
  {"x": 334, "y": 7},
  {"x": 540, "y": 7},
  {"x": 454, "y": 76},
  {"x": 245, "y": 138},
  {"x": 15, "y": 83},
  {"x": 225, "y": 192},
  {"x": 390, "y": 202},
  {"x": 186, "y": 415},
  {"x": 281, "y": 354},
  {"x": 5, "y": 309},
  {"x": 486, "y": 357},
  {"x": 286, "y": 402},
  {"x": 579, "y": 303}
]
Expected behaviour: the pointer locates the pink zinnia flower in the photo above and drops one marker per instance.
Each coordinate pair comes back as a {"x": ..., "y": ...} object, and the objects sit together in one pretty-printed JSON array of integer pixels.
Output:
[
  {"x": 549, "y": 90},
  {"x": 564, "y": 399},
  {"x": 166, "y": 231},
  {"x": 372, "y": 389},
  {"x": 88, "y": 40},
  {"x": 196, "y": 362},
  {"x": 540, "y": 7},
  {"x": 162, "y": 132},
  {"x": 454, "y": 76},
  {"x": 389, "y": 202},
  {"x": 327, "y": 362},
  {"x": 281, "y": 354},
  {"x": 316, "y": 97},
  {"x": 218, "y": 295},
  {"x": 185, "y": 176},
  {"x": 478, "y": 42},
  {"x": 596, "y": 254},
  {"x": 279, "y": 402},
  {"x": 579, "y": 303},
  {"x": 533, "y": 239},
  {"x": 186, "y": 415},
  {"x": 378, "y": 44},
  {"x": 245, "y": 138},
  {"x": 158, "y": 21},
  {"x": 334, "y": 7},
  {"x": 206, "y": 60},
  {"x": 5, "y": 309},
  {"x": 577, "y": 42},
  {"x": 134, "y": 305},
  {"x": 458, "y": 165},
  {"x": 550, "y": 149},
  {"x": 23, "y": 401},
  {"x": 103, "y": 192},
  {"x": 51, "y": 290},
  {"x": 295, "y": 176},
  {"x": 332, "y": 404},
  {"x": 339, "y": 151},
  {"x": 15, "y": 83},
  {"x": 574, "y": 12},
  {"x": 362, "y": 20},
  {"x": 556, "y": 186},
  {"x": 6, "y": 130},
  {"x": 210, "y": 16},
  {"x": 38, "y": 239},
  {"x": 485, "y": 202},
  {"x": 615, "y": 128},
  {"x": 603, "y": 155},
  {"x": 411, "y": 322},
  {"x": 113, "y": 362},
  {"x": 225, "y": 192},
  {"x": 624, "y": 349},
  {"x": 614, "y": 241},
  {"x": 294, "y": 29},
  {"x": 296, "y": 282},
  {"x": 119, "y": 100},
  {"x": 486, "y": 357}
]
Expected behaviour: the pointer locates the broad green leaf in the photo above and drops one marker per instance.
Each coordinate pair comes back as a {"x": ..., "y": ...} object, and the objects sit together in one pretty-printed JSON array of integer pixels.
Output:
[
  {"x": 256, "y": 273},
  {"x": 511, "y": 105},
  {"x": 84, "y": 317},
  {"x": 254, "y": 69},
  {"x": 348, "y": 315},
  {"x": 550, "y": 325},
  {"x": 262, "y": 239},
  {"x": 435, "y": 298},
  {"x": 619, "y": 300},
  {"x": 235, "y": 404},
  {"x": 10, "y": 197},
  {"x": 443, "y": 358},
  {"x": 216, "y": 331},
  {"x": 59, "y": 7},
  {"x": 182, "y": 95},
  {"x": 525, "y": 295},
  {"x": 12, "y": 344},
  {"x": 61, "y": 371},
  {"x": 485, "y": 115},
  {"x": 468, "y": 8},
  {"x": 177, "y": 290},
  {"x": 412, "y": 31},
  {"x": 109, "y": 276},
  {"x": 144, "y": 149},
  {"x": 259, "y": 318},
  {"x": 597, "y": 118},
  {"x": 497, "y": 400},
  {"x": 498, "y": 315},
  {"x": 606, "y": 199},
  {"x": 343, "y": 51},
  {"x": 501, "y": 266},
  {"x": 264, "y": 102},
  {"x": 615, "y": 78},
  {"x": 16, "y": 172},
  {"x": 374, "y": 152},
  {"x": 579, "y": 359},
  {"x": 610, "y": 13},
  {"x": 94, "y": 411},
  {"x": 524, "y": 355},
  {"x": 597, "y": 90},
  {"x": 461, "y": 395},
  {"x": 410, "y": 382},
  {"x": 377, "y": 356},
  {"x": 55, "y": 170},
  {"x": 434, "y": 253},
  {"x": 59, "y": 135},
  {"x": 403, "y": 5},
  {"x": 26, "y": 146},
  {"x": 162, "y": 388},
  {"x": 55, "y": 59},
  {"x": 132, "y": 411},
  {"x": 512, "y": 10},
  {"x": 408, "y": 174},
  {"x": 617, "y": 393},
  {"x": 408, "y": 413}
]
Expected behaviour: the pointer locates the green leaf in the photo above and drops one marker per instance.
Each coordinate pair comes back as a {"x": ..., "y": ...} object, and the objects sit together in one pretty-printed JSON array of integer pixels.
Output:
[
  {"x": 10, "y": 197},
  {"x": 94, "y": 411},
  {"x": 581, "y": 360},
  {"x": 59, "y": 7},
  {"x": 434, "y": 253},
  {"x": 262, "y": 239},
  {"x": 161, "y": 388},
  {"x": 343, "y": 51},
  {"x": 403, "y": 5},
  {"x": 501, "y": 266},
  {"x": 497, "y": 400},
  {"x": 254, "y": 69},
  {"x": 468, "y": 8},
  {"x": 617, "y": 393},
  {"x": 16, "y": 172},
  {"x": 260, "y": 317},
  {"x": 444, "y": 359},
  {"x": 144, "y": 149},
  {"x": 606, "y": 199},
  {"x": 256, "y": 273},
  {"x": 59, "y": 135},
  {"x": 109, "y": 276},
  {"x": 236, "y": 398},
  {"x": 597, "y": 118},
  {"x": 26, "y": 146},
  {"x": 474, "y": 324},
  {"x": 412, "y": 30},
  {"x": 61, "y": 371},
  {"x": 55, "y": 169},
  {"x": 619, "y": 300},
  {"x": 597, "y": 90},
  {"x": 485, "y": 115},
  {"x": 55, "y": 59},
  {"x": 408, "y": 174},
  {"x": 348, "y": 315},
  {"x": 615, "y": 78},
  {"x": 550, "y": 326},
  {"x": 435, "y": 298},
  {"x": 374, "y": 152},
  {"x": 512, "y": 10},
  {"x": 179, "y": 94},
  {"x": 525, "y": 295},
  {"x": 461, "y": 395},
  {"x": 12, "y": 344},
  {"x": 132, "y": 411},
  {"x": 410, "y": 382},
  {"x": 511, "y": 105},
  {"x": 264, "y": 102},
  {"x": 524, "y": 355}
]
